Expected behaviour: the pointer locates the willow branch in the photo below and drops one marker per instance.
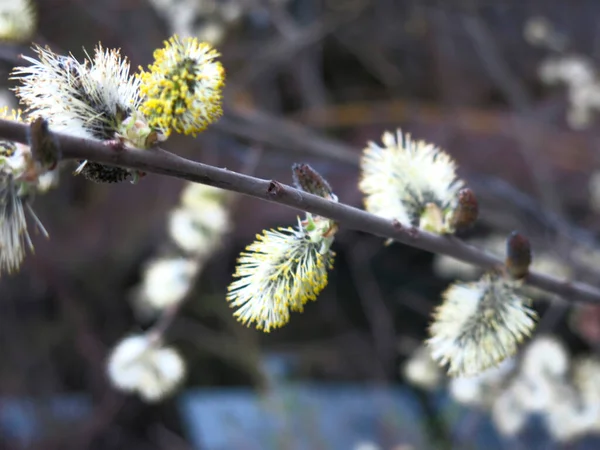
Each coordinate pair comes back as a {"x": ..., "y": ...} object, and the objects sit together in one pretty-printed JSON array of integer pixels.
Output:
[{"x": 159, "y": 161}]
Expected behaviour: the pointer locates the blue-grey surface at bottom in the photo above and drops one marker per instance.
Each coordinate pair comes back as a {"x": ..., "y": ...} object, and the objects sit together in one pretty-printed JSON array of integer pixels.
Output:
[
  {"x": 299, "y": 417},
  {"x": 25, "y": 420}
]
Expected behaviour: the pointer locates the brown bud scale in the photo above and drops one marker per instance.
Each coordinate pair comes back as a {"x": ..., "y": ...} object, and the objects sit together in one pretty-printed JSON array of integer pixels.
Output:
[
  {"x": 466, "y": 212},
  {"x": 518, "y": 255}
]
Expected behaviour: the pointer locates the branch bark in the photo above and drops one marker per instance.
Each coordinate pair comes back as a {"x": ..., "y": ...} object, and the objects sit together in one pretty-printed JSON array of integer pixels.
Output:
[{"x": 165, "y": 163}]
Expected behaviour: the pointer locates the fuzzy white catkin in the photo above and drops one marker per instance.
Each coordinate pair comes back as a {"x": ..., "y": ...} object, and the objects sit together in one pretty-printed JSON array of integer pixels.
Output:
[
  {"x": 199, "y": 223},
  {"x": 48, "y": 180},
  {"x": 121, "y": 372},
  {"x": 185, "y": 232},
  {"x": 572, "y": 70},
  {"x": 87, "y": 105},
  {"x": 403, "y": 177},
  {"x": 579, "y": 75},
  {"x": 198, "y": 232},
  {"x": 465, "y": 390},
  {"x": 535, "y": 391},
  {"x": 545, "y": 356},
  {"x": 478, "y": 390},
  {"x": 167, "y": 281},
  {"x": 196, "y": 227},
  {"x": 508, "y": 414},
  {"x": 586, "y": 374},
  {"x": 537, "y": 30},
  {"x": 208, "y": 20},
  {"x": 137, "y": 365},
  {"x": 540, "y": 32},
  {"x": 567, "y": 419},
  {"x": 422, "y": 371},
  {"x": 17, "y": 20},
  {"x": 195, "y": 196},
  {"x": 169, "y": 371}
]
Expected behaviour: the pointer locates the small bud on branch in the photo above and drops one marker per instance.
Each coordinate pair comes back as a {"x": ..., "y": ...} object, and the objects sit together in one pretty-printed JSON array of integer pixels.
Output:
[
  {"x": 44, "y": 148},
  {"x": 466, "y": 211},
  {"x": 518, "y": 255},
  {"x": 309, "y": 180}
]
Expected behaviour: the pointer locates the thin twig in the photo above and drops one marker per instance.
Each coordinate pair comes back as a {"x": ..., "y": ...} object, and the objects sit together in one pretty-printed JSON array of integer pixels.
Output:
[
  {"x": 164, "y": 321},
  {"x": 162, "y": 162}
]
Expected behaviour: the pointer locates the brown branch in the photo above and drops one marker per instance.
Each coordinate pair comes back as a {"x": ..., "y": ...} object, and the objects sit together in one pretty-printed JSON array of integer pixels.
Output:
[{"x": 162, "y": 162}]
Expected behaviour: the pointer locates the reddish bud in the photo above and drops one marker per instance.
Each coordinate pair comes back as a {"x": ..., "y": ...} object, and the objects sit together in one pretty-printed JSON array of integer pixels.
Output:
[
  {"x": 467, "y": 209},
  {"x": 518, "y": 255}
]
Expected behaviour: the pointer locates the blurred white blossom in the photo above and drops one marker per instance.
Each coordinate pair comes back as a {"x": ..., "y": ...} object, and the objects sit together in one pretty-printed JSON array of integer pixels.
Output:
[
  {"x": 196, "y": 227},
  {"x": 198, "y": 224},
  {"x": 545, "y": 355},
  {"x": 542, "y": 382},
  {"x": 139, "y": 365},
  {"x": 168, "y": 280},
  {"x": 481, "y": 389},
  {"x": 20, "y": 180},
  {"x": 579, "y": 75},
  {"x": 208, "y": 20},
  {"x": 540, "y": 31},
  {"x": 508, "y": 414},
  {"x": 535, "y": 391},
  {"x": 570, "y": 417},
  {"x": 421, "y": 370},
  {"x": 17, "y": 20}
]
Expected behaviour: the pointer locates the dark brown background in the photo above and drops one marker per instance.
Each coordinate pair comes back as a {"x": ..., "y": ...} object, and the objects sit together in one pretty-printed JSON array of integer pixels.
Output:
[{"x": 341, "y": 72}]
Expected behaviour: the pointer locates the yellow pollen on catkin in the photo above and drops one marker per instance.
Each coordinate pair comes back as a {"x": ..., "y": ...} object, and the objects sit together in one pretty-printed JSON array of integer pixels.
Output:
[
  {"x": 182, "y": 88},
  {"x": 280, "y": 272}
]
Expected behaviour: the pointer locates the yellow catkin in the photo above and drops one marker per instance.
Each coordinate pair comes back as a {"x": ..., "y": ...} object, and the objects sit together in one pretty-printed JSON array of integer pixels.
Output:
[{"x": 182, "y": 88}]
